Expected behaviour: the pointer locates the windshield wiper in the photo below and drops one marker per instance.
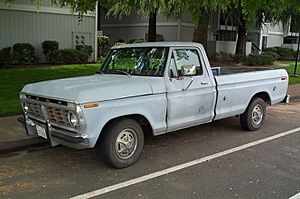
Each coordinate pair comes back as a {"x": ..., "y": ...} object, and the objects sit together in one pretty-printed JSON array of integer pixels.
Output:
[
  {"x": 99, "y": 72},
  {"x": 121, "y": 72}
]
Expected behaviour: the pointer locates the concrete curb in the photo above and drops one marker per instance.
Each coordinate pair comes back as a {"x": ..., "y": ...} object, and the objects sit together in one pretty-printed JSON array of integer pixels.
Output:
[
  {"x": 295, "y": 97},
  {"x": 14, "y": 145}
]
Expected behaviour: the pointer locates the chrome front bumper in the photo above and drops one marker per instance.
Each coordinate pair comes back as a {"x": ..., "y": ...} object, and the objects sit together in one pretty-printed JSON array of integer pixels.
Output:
[{"x": 55, "y": 136}]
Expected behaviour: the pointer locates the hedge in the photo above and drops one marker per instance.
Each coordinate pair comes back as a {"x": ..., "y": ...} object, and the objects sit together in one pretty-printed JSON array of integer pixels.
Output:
[
  {"x": 281, "y": 52},
  {"x": 262, "y": 59},
  {"x": 5, "y": 56},
  {"x": 48, "y": 48},
  {"x": 85, "y": 48},
  {"x": 24, "y": 53},
  {"x": 69, "y": 56}
]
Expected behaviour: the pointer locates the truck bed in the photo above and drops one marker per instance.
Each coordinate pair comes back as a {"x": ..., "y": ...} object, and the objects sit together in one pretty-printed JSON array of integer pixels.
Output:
[{"x": 237, "y": 86}]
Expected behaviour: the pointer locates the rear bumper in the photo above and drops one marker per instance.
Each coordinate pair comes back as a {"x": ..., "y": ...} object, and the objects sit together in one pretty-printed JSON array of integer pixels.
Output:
[
  {"x": 286, "y": 99},
  {"x": 54, "y": 135}
]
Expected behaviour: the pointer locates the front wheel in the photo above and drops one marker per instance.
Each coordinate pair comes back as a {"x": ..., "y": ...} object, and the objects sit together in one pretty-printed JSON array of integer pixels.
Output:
[
  {"x": 122, "y": 143},
  {"x": 254, "y": 116}
]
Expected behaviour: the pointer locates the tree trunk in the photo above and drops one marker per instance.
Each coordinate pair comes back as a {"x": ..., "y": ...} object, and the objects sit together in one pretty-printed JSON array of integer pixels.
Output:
[
  {"x": 152, "y": 27},
  {"x": 201, "y": 30},
  {"x": 242, "y": 37}
]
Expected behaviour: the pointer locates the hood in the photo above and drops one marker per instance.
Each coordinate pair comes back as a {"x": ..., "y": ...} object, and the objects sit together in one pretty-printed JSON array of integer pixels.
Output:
[{"x": 97, "y": 87}]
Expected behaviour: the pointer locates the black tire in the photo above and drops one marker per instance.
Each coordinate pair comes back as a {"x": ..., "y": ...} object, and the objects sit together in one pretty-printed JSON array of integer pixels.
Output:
[
  {"x": 250, "y": 119},
  {"x": 115, "y": 135}
]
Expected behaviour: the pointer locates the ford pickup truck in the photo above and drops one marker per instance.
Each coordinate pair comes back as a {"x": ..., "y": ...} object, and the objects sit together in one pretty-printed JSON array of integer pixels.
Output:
[{"x": 161, "y": 86}]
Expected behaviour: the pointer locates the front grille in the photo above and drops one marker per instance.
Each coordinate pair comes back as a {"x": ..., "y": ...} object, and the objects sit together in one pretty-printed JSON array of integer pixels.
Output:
[
  {"x": 58, "y": 116},
  {"x": 53, "y": 110},
  {"x": 35, "y": 111}
]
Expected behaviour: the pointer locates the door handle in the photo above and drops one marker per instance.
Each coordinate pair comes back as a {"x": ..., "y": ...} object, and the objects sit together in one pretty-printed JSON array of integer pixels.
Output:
[{"x": 204, "y": 83}]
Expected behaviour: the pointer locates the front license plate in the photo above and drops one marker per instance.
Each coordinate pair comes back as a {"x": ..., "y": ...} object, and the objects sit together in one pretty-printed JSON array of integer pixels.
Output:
[{"x": 41, "y": 131}]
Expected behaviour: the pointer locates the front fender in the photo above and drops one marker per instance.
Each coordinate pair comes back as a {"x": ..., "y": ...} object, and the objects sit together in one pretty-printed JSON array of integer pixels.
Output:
[{"x": 152, "y": 107}]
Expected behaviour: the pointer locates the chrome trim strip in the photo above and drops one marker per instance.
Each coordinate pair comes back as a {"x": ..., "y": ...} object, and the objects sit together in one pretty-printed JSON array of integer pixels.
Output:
[
  {"x": 48, "y": 104},
  {"x": 43, "y": 96},
  {"x": 64, "y": 127}
]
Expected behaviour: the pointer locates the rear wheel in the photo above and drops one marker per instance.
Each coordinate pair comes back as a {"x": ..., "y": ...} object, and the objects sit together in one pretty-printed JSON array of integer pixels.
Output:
[
  {"x": 254, "y": 116},
  {"x": 122, "y": 143}
]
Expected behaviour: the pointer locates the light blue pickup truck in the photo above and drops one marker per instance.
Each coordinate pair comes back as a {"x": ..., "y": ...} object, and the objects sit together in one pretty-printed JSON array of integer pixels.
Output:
[{"x": 162, "y": 86}]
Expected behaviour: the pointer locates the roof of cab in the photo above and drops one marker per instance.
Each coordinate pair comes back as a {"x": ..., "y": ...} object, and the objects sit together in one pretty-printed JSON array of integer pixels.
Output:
[{"x": 158, "y": 44}]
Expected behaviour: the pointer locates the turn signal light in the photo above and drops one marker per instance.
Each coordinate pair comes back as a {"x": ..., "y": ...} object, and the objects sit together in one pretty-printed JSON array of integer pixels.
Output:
[{"x": 90, "y": 105}]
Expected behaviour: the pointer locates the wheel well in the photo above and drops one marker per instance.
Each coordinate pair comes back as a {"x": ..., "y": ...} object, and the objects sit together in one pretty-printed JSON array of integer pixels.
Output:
[
  {"x": 142, "y": 120},
  {"x": 264, "y": 95}
]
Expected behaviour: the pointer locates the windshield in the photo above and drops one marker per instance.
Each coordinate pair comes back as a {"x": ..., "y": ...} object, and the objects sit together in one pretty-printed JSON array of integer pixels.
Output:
[{"x": 145, "y": 61}]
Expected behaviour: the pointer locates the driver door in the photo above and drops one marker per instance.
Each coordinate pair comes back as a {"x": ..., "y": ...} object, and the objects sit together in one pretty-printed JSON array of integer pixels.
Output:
[{"x": 190, "y": 94}]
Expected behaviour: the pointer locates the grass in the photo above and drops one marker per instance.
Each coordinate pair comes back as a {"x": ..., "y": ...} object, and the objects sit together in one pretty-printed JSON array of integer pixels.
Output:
[
  {"x": 290, "y": 70},
  {"x": 13, "y": 80}
]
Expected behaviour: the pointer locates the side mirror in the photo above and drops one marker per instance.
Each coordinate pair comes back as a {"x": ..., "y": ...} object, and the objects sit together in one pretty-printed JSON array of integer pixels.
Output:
[{"x": 188, "y": 70}]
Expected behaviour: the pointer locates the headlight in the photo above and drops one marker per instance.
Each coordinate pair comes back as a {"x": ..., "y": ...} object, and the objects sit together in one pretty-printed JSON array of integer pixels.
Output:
[
  {"x": 25, "y": 107},
  {"x": 73, "y": 120},
  {"x": 22, "y": 96}
]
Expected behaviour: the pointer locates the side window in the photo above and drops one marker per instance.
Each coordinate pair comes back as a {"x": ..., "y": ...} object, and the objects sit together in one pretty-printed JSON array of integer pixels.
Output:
[{"x": 187, "y": 57}]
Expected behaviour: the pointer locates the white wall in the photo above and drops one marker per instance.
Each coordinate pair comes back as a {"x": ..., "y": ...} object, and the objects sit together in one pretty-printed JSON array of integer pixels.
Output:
[
  {"x": 274, "y": 40},
  {"x": 292, "y": 46},
  {"x": 229, "y": 47},
  {"x": 21, "y": 23},
  {"x": 138, "y": 31}
]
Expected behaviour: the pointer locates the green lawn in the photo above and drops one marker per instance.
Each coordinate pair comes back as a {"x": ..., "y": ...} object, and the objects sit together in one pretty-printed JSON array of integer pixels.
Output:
[
  {"x": 290, "y": 70},
  {"x": 13, "y": 80}
]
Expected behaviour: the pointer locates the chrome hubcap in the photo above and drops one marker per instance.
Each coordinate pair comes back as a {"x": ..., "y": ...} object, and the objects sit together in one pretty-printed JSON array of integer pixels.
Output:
[
  {"x": 126, "y": 144},
  {"x": 257, "y": 114}
]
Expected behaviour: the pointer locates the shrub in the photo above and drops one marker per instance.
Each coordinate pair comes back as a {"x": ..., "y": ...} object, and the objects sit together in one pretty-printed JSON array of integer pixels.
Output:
[
  {"x": 267, "y": 59},
  {"x": 285, "y": 53},
  {"x": 274, "y": 55},
  {"x": 282, "y": 52},
  {"x": 54, "y": 57},
  {"x": 5, "y": 56},
  {"x": 48, "y": 48},
  {"x": 272, "y": 49},
  {"x": 69, "y": 56},
  {"x": 239, "y": 58},
  {"x": 263, "y": 59},
  {"x": 254, "y": 60},
  {"x": 295, "y": 54},
  {"x": 103, "y": 45},
  {"x": 23, "y": 53},
  {"x": 85, "y": 48}
]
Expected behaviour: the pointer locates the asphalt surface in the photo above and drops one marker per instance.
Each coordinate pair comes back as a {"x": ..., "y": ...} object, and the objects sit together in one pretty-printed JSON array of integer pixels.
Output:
[{"x": 268, "y": 170}]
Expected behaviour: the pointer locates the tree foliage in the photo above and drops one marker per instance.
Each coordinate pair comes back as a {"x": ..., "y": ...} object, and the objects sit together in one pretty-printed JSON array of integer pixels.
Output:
[
  {"x": 80, "y": 6},
  {"x": 247, "y": 13}
]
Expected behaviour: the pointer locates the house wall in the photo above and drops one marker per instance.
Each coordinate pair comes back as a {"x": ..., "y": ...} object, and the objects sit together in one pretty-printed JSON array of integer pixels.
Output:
[
  {"x": 23, "y": 22},
  {"x": 255, "y": 39},
  {"x": 136, "y": 27},
  {"x": 274, "y": 33},
  {"x": 274, "y": 40},
  {"x": 172, "y": 29},
  {"x": 138, "y": 31},
  {"x": 229, "y": 47},
  {"x": 292, "y": 46},
  {"x": 186, "y": 33}
]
